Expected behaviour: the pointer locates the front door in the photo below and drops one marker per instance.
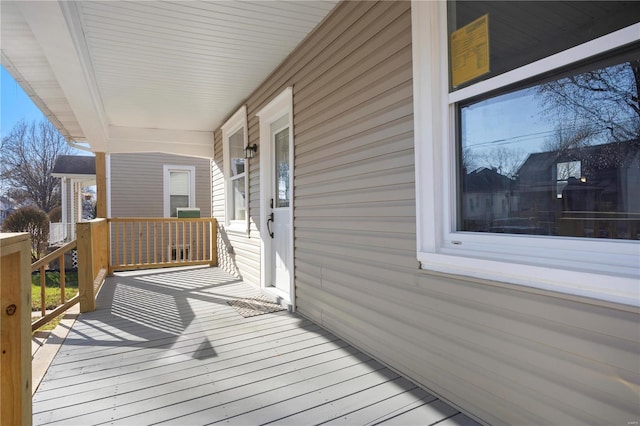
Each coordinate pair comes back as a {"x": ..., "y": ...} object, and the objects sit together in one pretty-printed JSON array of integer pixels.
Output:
[
  {"x": 276, "y": 195},
  {"x": 280, "y": 219}
]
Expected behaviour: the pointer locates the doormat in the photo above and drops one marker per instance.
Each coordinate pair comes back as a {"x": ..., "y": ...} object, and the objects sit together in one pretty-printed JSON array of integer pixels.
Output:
[{"x": 252, "y": 306}]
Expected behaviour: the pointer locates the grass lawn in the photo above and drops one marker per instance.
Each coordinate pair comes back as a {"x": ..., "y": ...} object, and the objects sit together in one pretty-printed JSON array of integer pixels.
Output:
[
  {"x": 52, "y": 289},
  {"x": 52, "y": 293}
]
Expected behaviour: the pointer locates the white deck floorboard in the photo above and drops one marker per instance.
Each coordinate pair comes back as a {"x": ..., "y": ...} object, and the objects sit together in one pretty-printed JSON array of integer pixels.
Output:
[{"x": 164, "y": 347}]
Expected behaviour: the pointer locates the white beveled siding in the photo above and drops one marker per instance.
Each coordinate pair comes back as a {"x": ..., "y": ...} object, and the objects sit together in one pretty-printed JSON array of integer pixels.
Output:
[
  {"x": 505, "y": 354},
  {"x": 238, "y": 253}
]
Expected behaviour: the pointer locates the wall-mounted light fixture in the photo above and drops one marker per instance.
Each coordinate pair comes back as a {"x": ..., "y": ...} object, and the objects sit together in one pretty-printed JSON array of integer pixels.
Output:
[{"x": 250, "y": 151}]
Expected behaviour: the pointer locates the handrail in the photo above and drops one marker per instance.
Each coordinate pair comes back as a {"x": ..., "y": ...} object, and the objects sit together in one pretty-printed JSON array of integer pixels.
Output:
[
  {"x": 53, "y": 314},
  {"x": 41, "y": 264},
  {"x": 54, "y": 254}
]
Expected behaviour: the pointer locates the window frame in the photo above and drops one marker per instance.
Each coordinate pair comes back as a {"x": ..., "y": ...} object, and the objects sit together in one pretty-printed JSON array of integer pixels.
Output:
[
  {"x": 235, "y": 123},
  {"x": 167, "y": 169},
  {"x": 559, "y": 264}
]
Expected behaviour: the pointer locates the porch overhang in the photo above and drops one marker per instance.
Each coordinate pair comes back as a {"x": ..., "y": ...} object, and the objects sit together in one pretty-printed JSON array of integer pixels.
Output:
[{"x": 134, "y": 76}]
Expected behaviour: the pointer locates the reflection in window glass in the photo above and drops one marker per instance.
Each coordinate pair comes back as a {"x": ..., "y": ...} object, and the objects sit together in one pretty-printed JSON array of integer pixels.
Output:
[
  {"x": 236, "y": 152},
  {"x": 282, "y": 168},
  {"x": 237, "y": 176},
  {"x": 566, "y": 171},
  {"x": 559, "y": 158},
  {"x": 238, "y": 199}
]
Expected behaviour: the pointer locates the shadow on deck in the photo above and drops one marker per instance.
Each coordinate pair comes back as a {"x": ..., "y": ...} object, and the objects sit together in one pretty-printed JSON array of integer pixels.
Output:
[{"x": 166, "y": 347}]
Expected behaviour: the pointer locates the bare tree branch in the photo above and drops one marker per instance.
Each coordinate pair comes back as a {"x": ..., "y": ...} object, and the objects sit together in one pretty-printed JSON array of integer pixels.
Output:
[{"x": 28, "y": 155}]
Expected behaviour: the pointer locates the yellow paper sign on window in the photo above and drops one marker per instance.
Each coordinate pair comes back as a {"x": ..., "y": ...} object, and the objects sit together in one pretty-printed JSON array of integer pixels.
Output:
[{"x": 470, "y": 51}]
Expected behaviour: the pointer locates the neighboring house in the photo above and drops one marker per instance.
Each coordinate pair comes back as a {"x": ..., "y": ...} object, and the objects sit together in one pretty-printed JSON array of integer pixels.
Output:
[
  {"x": 155, "y": 184},
  {"x": 488, "y": 196},
  {"x": 584, "y": 186},
  {"x": 139, "y": 185},
  {"x": 348, "y": 209},
  {"x": 75, "y": 172}
]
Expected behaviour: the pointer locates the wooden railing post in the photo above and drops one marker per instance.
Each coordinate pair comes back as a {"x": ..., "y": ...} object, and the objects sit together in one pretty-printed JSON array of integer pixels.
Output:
[
  {"x": 15, "y": 329},
  {"x": 93, "y": 260},
  {"x": 214, "y": 242},
  {"x": 101, "y": 184},
  {"x": 85, "y": 267}
]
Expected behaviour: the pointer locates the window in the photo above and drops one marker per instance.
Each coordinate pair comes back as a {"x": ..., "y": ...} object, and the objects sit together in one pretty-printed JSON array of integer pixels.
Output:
[
  {"x": 179, "y": 188},
  {"x": 234, "y": 137},
  {"x": 567, "y": 171},
  {"x": 548, "y": 135}
]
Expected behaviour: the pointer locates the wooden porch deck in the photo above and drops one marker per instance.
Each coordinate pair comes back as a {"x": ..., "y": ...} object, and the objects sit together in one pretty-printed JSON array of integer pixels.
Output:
[{"x": 165, "y": 347}]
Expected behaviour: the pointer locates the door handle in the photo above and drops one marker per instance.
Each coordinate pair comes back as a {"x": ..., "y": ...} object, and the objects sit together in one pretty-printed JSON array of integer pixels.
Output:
[{"x": 270, "y": 220}]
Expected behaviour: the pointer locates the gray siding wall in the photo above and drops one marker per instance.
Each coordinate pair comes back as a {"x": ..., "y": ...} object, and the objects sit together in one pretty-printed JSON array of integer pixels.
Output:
[
  {"x": 505, "y": 354},
  {"x": 227, "y": 242},
  {"x": 137, "y": 190},
  {"x": 137, "y": 183},
  {"x": 238, "y": 252}
]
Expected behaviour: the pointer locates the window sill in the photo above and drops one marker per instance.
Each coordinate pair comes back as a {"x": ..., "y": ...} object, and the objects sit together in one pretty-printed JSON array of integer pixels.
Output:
[
  {"x": 237, "y": 227},
  {"x": 618, "y": 289}
]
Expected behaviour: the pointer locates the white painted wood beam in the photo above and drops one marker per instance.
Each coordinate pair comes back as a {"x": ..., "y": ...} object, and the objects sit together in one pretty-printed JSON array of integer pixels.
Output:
[
  {"x": 53, "y": 33},
  {"x": 193, "y": 143}
]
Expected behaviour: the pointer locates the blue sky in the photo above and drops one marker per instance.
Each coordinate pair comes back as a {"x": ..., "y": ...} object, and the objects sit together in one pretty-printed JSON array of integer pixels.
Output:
[{"x": 15, "y": 104}]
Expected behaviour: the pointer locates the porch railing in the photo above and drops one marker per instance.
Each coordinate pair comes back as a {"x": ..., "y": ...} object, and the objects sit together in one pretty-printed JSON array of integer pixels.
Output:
[
  {"x": 116, "y": 244},
  {"x": 64, "y": 304},
  {"x": 140, "y": 243},
  {"x": 15, "y": 333},
  {"x": 137, "y": 243},
  {"x": 93, "y": 260},
  {"x": 61, "y": 233},
  {"x": 623, "y": 225}
]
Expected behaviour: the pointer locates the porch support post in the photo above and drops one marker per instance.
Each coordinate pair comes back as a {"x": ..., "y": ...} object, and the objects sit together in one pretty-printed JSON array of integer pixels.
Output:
[
  {"x": 15, "y": 329},
  {"x": 101, "y": 185}
]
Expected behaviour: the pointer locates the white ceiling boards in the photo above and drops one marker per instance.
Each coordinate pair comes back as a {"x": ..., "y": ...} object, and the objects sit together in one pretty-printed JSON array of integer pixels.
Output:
[{"x": 148, "y": 75}]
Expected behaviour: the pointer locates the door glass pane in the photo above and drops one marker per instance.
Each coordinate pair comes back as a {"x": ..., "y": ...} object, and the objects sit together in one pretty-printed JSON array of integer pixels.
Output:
[{"x": 282, "y": 167}]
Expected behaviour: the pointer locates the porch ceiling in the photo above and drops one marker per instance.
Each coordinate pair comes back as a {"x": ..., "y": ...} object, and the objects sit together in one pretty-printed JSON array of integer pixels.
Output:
[{"x": 140, "y": 76}]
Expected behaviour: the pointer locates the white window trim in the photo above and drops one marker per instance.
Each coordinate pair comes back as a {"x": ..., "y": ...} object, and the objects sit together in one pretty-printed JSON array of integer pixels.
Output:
[
  {"x": 107, "y": 160},
  {"x": 603, "y": 270},
  {"x": 237, "y": 121},
  {"x": 166, "y": 169}
]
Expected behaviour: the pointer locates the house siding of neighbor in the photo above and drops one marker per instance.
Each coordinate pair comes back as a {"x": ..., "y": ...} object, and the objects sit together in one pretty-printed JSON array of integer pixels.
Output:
[
  {"x": 75, "y": 172},
  {"x": 505, "y": 354},
  {"x": 137, "y": 183}
]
